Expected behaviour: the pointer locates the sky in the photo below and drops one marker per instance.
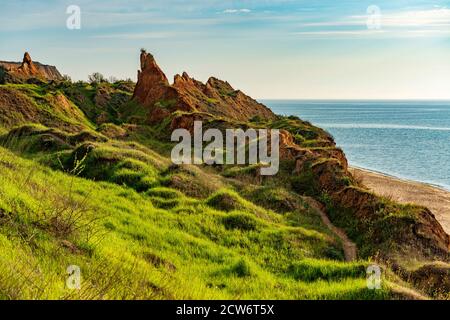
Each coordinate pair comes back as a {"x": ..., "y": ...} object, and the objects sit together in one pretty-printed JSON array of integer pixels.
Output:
[{"x": 270, "y": 49}]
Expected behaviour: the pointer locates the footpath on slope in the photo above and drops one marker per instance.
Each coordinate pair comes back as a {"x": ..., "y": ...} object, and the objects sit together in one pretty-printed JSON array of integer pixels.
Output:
[
  {"x": 351, "y": 253},
  {"x": 350, "y": 249}
]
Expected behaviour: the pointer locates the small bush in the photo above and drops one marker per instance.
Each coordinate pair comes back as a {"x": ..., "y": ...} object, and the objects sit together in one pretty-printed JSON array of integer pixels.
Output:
[
  {"x": 112, "y": 131},
  {"x": 96, "y": 78},
  {"x": 256, "y": 119},
  {"x": 275, "y": 198},
  {"x": 164, "y": 203},
  {"x": 242, "y": 269},
  {"x": 191, "y": 180},
  {"x": 305, "y": 182},
  {"x": 225, "y": 201},
  {"x": 123, "y": 166},
  {"x": 240, "y": 221}
]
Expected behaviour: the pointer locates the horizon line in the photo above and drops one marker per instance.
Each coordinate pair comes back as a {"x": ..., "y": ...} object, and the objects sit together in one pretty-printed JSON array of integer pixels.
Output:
[{"x": 356, "y": 99}]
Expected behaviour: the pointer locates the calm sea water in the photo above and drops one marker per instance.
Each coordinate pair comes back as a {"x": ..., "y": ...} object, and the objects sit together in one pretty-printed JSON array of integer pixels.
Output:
[{"x": 407, "y": 139}]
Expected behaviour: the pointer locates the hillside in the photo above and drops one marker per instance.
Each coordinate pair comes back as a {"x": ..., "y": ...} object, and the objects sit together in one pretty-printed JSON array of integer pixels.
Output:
[{"x": 87, "y": 180}]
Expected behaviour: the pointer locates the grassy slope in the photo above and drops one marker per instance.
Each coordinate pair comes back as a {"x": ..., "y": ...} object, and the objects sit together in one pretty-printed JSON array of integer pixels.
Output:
[
  {"x": 127, "y": 247},
  {"x": 140, "y": 228},
  {"x": 22, "y": 103}
]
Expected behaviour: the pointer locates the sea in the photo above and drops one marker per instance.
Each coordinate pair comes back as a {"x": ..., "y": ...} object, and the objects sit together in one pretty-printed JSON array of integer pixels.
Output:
[{"x": 405, "y": 139}]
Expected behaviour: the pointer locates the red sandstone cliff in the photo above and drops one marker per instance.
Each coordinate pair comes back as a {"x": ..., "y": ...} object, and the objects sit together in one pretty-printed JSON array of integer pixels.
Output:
[{"x": 187, "y": 94}]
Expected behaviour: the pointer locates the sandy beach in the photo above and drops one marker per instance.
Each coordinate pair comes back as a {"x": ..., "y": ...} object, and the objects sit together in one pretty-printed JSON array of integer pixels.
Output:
[{"x": 406, "y": 191}]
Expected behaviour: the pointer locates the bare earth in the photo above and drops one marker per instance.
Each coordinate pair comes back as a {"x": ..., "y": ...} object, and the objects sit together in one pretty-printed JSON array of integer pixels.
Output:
[{"x": 405, "y": 191}]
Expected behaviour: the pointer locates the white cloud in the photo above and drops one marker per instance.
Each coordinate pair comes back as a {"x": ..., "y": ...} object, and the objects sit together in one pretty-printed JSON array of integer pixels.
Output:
[
  {"x": 373, "y": 33},
  {"x": 143, "y": 35},
  {"x": 413, "y": 18},
  {"x": 339, "y": 34},
  {"x": 237, "y": 11},
  {"x": 416, "y": 18},
  {"x": 407, "y": 24}
]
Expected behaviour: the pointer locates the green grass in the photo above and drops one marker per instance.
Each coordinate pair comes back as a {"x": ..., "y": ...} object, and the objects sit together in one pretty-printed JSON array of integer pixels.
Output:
[
  {"x": 35, "y": 138},
  {"x": 42, "y": 104},
  {"x": 311, "y": 270},
  {"x": 387, "y": 227},
  {"x": 166, "y": 104},
  {"x": 129, "y": 246},
  {"x": 89, "y": 184},
  {"x": 240, "y": 221},
  {"x": 123, "y": 163},
  {"x": 300, "y": 129},
  {"x": 103, "y": 101},
  {"x": 305, "y": 182}
]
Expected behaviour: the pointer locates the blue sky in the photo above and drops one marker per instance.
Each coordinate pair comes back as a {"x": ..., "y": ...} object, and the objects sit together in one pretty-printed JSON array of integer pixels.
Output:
[{"x": 267, "y": 48}]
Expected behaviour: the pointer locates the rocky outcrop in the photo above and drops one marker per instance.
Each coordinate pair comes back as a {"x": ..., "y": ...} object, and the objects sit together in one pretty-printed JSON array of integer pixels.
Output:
[
  {"x": 28, "y": 69},
  {"x": 215, "y": 97},
  {"x": 152, "y": 84}
]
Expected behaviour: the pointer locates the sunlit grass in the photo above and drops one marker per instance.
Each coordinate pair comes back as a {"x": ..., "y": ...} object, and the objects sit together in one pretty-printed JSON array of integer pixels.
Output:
[{"x": 129, "y": 246}]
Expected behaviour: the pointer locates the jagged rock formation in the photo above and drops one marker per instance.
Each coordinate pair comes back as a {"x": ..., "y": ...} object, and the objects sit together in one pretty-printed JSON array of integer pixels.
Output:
[
  {"x": 27, "y": 69},
  {"x": 216, "y": 97}
]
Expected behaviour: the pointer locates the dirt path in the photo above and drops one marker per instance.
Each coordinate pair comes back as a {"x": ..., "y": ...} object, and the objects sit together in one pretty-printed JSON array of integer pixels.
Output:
[{"x": 350, "y": 249}]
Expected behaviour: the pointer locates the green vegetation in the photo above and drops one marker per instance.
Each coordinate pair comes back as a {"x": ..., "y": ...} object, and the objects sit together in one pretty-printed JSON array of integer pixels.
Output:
[
  {"x": 381, "y": 231},
  {"x": 305, "y": 182},
  {"x": 166, "y": 104},
  {"x": 86, "y": 182},
  {"x": 45, "y": 104},
  {"x": 312, "y": 270},
  {"x": 128, "y": 246}
]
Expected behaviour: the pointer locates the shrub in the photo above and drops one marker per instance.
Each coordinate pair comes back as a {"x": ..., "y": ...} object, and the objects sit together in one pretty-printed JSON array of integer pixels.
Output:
[
  {"x": 241, "y": 269},
  {"x": 96, "y": 78},
  {"x": 166, "y": 204},
  {"x": 275, "y": 198},
  {"x": 112, "y": 131},
  {"x": 240, "y": 221},
  {"x": 256, "y": 119},
  {"x": 224, "y": 200},
  {"x": 305, "y": 182}
]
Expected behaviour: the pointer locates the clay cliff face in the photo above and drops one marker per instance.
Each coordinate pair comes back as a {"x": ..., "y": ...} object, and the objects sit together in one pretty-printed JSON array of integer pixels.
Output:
[
  {"x": 215, "y": 97},
  {"x": 17, "y": 71}
]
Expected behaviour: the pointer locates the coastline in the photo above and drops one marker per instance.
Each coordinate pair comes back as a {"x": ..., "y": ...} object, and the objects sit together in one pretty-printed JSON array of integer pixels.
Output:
[
  {"x": 434, "y": 197},
  {"x": 395, "y": 177}
]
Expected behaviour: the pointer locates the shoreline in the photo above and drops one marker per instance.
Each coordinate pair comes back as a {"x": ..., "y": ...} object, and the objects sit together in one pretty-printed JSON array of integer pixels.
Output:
[
  {"x": 394, "y": 177},
  {"x": 434, "y": 197}
]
